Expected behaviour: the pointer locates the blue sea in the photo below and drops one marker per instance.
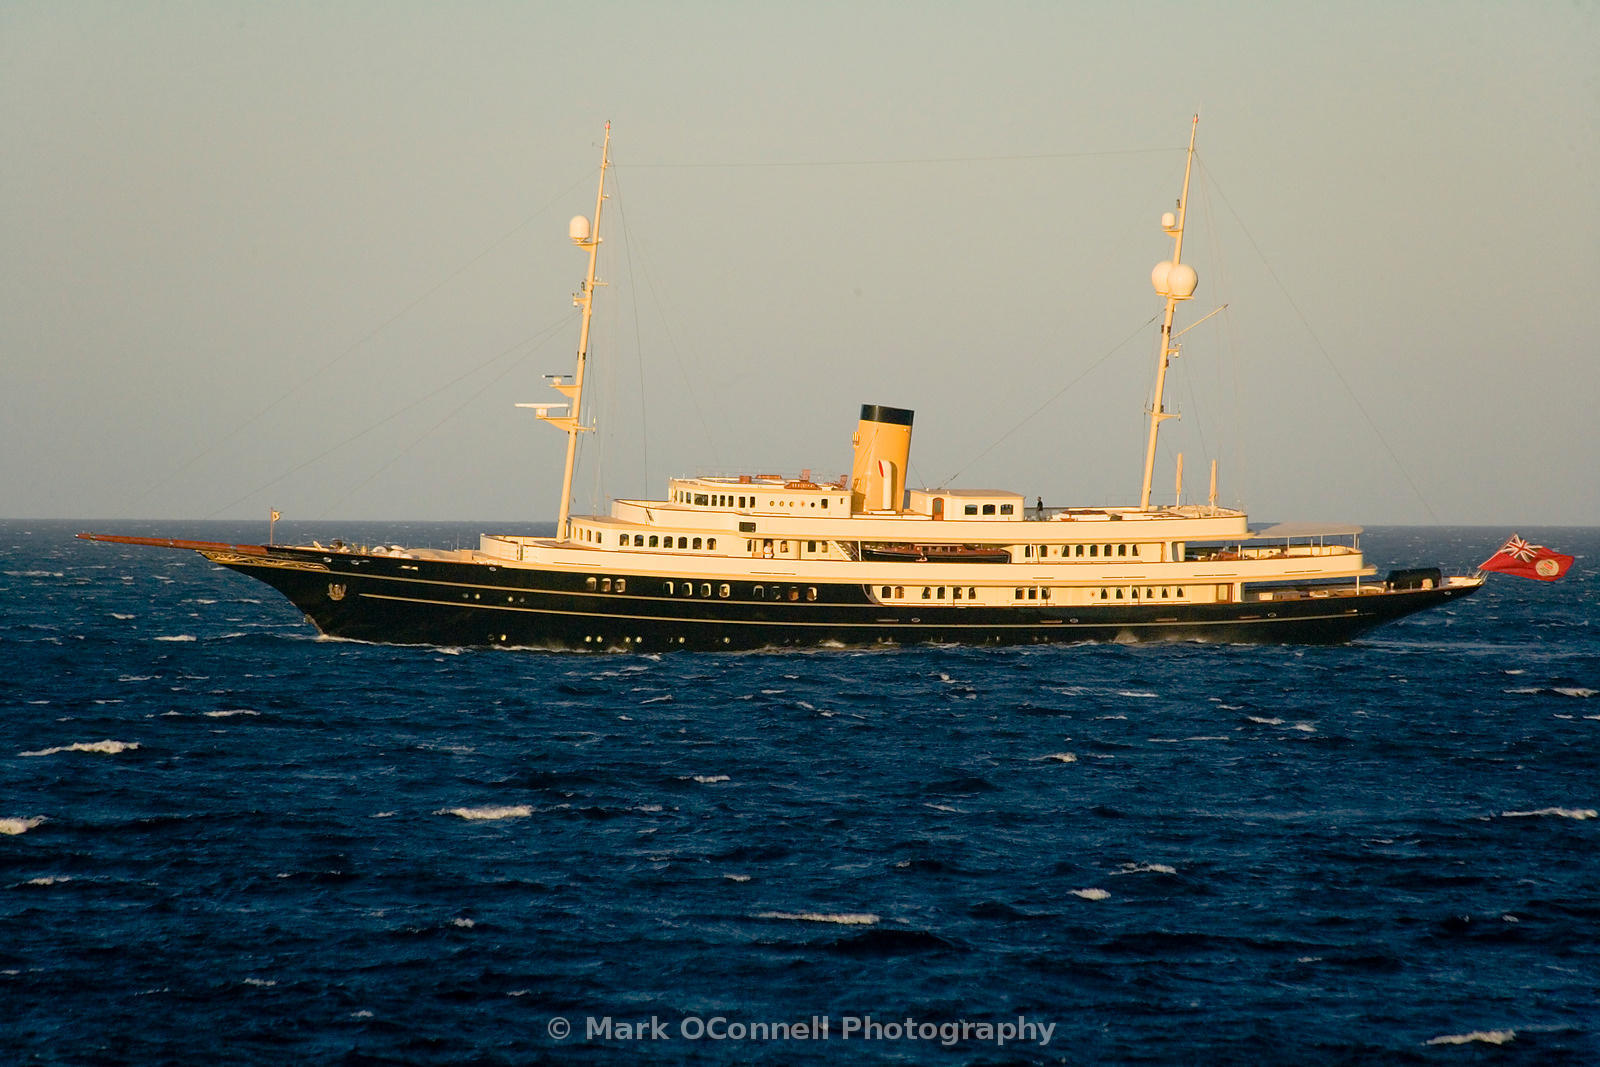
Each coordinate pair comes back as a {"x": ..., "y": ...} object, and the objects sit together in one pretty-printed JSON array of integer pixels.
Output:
[{"x": 223, "y": 839}]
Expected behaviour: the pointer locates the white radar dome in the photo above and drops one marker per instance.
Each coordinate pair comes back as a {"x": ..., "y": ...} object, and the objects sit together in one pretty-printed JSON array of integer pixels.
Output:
[
  {"x": 578, "y": 228},
  {"x": 1182, "y": 280},
  {"x": 1158, "y": 277},
  {"x": 1169, "y": 221}
]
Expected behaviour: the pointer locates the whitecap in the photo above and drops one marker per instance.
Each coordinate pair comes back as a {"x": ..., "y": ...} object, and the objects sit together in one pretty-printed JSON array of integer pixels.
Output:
[
  {"x": 383, "y": 814},
  {"x": 120, "y": 615},
  {"x": 1575, "y": 691},
  {"x": 1062, "y": 757},
  {"x": 707, "y": 779},
  {"x": 664, "y": 698},
  {"x": 13, "y": 827},
  {"x": 1305, "y": 727},
  {"x": 1264, "y": 722},
  {"x": 846, "y": 918},
  {"x": 1145, "y": 868},
  {"x": 264, "y": 983},
  {"x": 1091, "y": 894},
  {"x": 1488, "y": 1037},
  {"x": 737, "y": 877},
  {"x": 108, "y": 747},
  {"x": 518, "y": 811},
  {"x": 179, "y": 637},
  {"x": 50, "y": 880},
  {"x": 35, "y": 574},
  {"x": 1568, "y": 813},
  {"x": 465, "y": 924},
  {"x": 1136, "y": 693},
  {"x": 1523, "y": 692},
  {"x": 230, "y": 713}
]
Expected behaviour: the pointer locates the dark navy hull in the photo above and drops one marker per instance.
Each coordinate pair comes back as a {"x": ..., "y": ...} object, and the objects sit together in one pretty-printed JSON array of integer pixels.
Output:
[{"x": 396, "y": 601}]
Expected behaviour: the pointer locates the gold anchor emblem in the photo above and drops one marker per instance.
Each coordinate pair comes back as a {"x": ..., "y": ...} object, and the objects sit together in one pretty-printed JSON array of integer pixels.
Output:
[{"x": 335, "y": 591}]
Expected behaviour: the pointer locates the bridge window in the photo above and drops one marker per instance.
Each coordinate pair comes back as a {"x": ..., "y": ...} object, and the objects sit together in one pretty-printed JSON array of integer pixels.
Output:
[
  {"x": 970, "y": 509},
  {"x": 988, "y": 509},
  {"x": 900, "y": 592},
  {"x": 1005, "y": 509}
]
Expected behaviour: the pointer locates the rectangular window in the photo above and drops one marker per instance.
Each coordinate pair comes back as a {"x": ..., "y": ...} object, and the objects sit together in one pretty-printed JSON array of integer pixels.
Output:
[
  {"x": 1018, "y": 596},
  {"x": 655, "y": 541},
  {"x": 939, "y": 594},
  {"x": 955, "y": 594},
  {"x": 988, "y": 509},
  {"x": 711, "y": 544},
  {"x": 1079, "y": 551},
  {"x": 683, "y": 542},
  {"x": 1033, "y": 593},
  {"x": 1094, "y": 550},
  {"x": 811, "y": 546},
  {"x": 700, "y": 499},
  {"x": 970, "y": 509},
  {"x": 1005, "y": 509},
  {"x": 1044, "y": 594},
  {"x": 697, "y": 544}
]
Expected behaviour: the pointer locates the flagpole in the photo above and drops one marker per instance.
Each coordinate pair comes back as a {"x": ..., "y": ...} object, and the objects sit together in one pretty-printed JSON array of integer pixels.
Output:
[{"x": 272, "y": 522}]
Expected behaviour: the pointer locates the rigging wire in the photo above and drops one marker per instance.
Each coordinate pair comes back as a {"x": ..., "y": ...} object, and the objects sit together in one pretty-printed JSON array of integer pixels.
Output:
[
  {"x": 1328, "y": 357},
  {"x": 533, "y": 346},
  {"x": 322, "y": 369},
  {"x": 1019, "y": 424},
  {"x": 536, "y": 339},
  {"x": 909, "y": 162},
  {"x": 638, "y": 342}
]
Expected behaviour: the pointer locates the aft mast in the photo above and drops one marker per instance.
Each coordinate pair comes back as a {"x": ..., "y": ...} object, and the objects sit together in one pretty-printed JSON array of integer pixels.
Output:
[
  {"x": 1176, "y": 281},
  {"x": 586, "y": 237}
]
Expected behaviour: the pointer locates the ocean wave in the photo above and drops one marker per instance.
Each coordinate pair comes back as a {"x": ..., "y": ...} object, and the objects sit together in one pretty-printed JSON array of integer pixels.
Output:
[
  {"x": 108, "y": 747},
  {"x": 1264, "y": 722},
  {"x": 1061, "y": 757},
  {"x": 1488, "y": 1037},
  {"x": 1091, "y": 894},
  {"x": 708, "y": 779},
  {"x": 178, "y": 637},
  {"x": 13, "y": 827},
  {"x": 844, "y": 918},
  {"x": 516, "y": 811},
  {"x": 49, "y": 880},
  {"x": 1566, "y": 813},
  {"x": 1145, "y": 868},
  {"x": 121, "y": 615},
  {"x": 1575, "y": 691},
  {"x": 230, "y": 713},
  {"x": 35, "y": 574}
]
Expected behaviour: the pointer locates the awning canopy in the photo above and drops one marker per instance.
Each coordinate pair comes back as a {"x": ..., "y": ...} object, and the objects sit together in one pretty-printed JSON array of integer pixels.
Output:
[{"x": 1306, "y": 529}]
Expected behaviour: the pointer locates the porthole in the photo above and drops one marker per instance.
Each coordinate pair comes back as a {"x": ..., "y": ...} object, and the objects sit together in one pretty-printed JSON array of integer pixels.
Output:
[
  {"x": 724, "y": 589},
  {"x": 705, "y": 588}
]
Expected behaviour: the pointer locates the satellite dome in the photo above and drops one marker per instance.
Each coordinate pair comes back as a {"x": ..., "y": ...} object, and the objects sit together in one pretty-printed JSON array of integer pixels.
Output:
[{"x": 578, "y": 229}]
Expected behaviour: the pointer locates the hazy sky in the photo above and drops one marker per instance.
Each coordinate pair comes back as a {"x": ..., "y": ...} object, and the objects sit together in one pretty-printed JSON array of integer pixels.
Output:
[{"x": 309, "y": 255}]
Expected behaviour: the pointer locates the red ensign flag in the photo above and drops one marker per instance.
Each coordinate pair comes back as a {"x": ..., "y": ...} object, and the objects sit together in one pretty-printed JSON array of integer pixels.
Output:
[{"x": 1518, "y": 557}]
